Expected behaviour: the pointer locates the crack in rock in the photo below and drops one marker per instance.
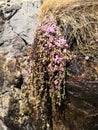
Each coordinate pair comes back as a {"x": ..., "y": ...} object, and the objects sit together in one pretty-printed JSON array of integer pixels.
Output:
[
  {"x": 9, "y": 11},
  {"x": 1, "y": 43},
  {"x": 26, "y": 43}
]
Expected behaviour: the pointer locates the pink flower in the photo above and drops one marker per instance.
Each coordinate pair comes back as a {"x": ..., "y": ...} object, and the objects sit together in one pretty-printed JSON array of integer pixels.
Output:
[
  {"x": 54, "y": 26},
  {"x": 58, "y": 96},
  {"x": 66, "y": 45},
  {"x": 53, "y": 53},
  {"x": 56, "y": 58},
  {"x": 62, "y": 69},
  {"x": 59, "y": 104},
  {"x": 96, "y": 40},
  {"x": 50, "y": 39},
  {"x": 55, "y": 82},
  {"x": 50, "y": 45},
  {"x": 44, "y": 28},
  {"x": 62, "y": 41},
  {"x": 46, "y": 34},
  {"x": 49, "y": 65},
  {"x": 41, "y": 74},
  {"x": 50, "y": 29},
  {"x": 52, "y": 19},
  {"x": 87, "y": 58},
  {"x": 39, "y": 24},
  {"x": 55, "y": 67},
  {"x": 64, "y": 51},
  {"x": 57, "y": 44},
  {"x": 29, "y": 71},
  {"x": 44, "y": 59},
  {"x": 59, "y": 60}
]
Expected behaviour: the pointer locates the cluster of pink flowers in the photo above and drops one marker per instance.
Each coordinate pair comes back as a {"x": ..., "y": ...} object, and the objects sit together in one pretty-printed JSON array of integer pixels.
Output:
[
  {"x": 61, "y": 43},
  {"x": 48, "y": 29},
  {"x": 51, "y": 52}
]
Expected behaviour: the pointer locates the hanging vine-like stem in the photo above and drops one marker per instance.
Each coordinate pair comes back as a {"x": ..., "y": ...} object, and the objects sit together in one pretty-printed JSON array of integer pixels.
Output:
[{"x": 49, "y": 57}]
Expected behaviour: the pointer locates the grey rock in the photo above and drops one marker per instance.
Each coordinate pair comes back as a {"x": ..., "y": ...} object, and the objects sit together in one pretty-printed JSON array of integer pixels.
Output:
[
  {"x": 17, "y": 27},
  {"x": 9, "y": 8},
  {"x": 2, "y": 126},
  {"x": 25, "y": 20}
]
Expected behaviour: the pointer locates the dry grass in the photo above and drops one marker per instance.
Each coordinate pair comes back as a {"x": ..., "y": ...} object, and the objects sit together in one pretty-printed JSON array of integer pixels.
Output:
[
  {"x": 57, "y": 5},
  {"x": 77, "y": 19}
]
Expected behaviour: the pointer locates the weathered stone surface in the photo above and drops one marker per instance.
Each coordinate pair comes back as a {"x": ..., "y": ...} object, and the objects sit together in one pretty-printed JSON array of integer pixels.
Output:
[
  {"x": 12, "y": 84},
  {"x": 27, "y": 16},
  {"x": 82, "y": 89},
  {"x": 2, "y": 126},
  {"x": 18, "y": 21}
]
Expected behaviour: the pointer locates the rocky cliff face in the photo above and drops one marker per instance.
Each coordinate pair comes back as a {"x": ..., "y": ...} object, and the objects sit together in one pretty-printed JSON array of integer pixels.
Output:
[{"x": 18, "y": 21}]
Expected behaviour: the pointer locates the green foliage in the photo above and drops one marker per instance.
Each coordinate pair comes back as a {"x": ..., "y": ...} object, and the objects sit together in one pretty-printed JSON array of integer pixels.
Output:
[{"x": 49, "y": 57}]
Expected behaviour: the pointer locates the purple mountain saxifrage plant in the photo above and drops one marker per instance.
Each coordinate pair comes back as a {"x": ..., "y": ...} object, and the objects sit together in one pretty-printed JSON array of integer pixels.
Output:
[{"x": 50, "y": 53}]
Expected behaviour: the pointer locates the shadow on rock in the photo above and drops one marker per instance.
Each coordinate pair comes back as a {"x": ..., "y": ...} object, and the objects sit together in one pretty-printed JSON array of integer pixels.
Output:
[{"x": 11, "y": 120}]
